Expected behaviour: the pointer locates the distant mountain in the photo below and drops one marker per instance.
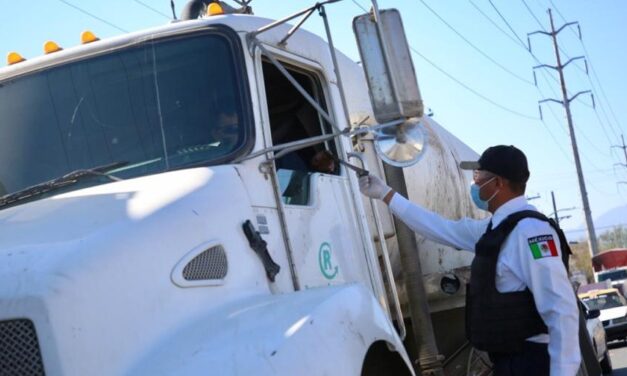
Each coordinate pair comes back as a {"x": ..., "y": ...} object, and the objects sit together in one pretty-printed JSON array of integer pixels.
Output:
[
  {"x": 604, "y": 222},
  {"x": 614, "y": 217}
]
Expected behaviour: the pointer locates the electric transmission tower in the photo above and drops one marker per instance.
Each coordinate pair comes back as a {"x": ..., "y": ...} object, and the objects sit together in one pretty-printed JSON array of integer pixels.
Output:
[{"x": 565, "y": 102}]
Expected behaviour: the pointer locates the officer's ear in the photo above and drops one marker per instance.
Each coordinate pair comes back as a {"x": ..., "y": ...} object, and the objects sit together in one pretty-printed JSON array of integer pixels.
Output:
[
  {"x": 501, "y": 183},
  {"x": 505, "y": 185}
]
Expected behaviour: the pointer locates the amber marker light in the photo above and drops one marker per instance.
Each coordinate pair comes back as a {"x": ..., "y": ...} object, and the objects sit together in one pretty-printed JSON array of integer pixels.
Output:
[
  {"x": 214, "y": 9},
  {"x": 50, "y": 47},
  {"x": 14, "y": 58},
  {"x": 88, "y": 37}
]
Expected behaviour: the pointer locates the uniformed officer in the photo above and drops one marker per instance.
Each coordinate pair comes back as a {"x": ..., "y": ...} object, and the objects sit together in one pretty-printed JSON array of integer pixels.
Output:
[{"x": 520, "y": 307}]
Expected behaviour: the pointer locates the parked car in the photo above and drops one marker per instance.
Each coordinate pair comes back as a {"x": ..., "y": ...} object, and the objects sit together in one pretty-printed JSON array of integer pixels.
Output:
[
  {"x": 613, "y": 307},
  {"x": 598, "y": 339}
]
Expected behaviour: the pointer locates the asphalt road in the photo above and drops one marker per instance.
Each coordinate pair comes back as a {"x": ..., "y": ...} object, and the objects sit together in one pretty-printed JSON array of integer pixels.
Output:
[{"x": 618, "y": 353}]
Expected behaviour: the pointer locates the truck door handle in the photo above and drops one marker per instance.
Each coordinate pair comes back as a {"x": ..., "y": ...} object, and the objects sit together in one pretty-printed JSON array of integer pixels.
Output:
[{"x": 260, "y": 247}]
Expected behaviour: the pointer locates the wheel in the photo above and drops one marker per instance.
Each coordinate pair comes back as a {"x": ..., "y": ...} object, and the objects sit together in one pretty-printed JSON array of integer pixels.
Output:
[{"x": 606, "y": 363}]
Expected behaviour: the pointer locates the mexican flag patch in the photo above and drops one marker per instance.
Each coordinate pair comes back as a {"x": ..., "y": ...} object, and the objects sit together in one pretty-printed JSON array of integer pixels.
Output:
[{"x": 542, "y": 246}]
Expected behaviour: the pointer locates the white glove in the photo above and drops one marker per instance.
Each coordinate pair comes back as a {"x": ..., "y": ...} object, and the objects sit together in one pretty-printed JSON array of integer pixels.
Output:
[{"x": 373, "y": 187}]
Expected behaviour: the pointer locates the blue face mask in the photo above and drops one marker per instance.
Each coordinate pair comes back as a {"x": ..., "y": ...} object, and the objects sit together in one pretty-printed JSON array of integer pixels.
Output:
[{"x": 475, "y": 194}]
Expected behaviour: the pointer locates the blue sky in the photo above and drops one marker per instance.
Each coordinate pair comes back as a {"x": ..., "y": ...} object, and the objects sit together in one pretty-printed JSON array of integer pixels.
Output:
[{"x": 490, "y": 61}]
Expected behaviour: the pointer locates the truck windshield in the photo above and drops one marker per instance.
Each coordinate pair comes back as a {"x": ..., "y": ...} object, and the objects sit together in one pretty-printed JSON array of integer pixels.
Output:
[
  {"x": 157, "y": 106},
  {"x": 603, "y": 301},
  {"x": 615, "y": 275}
]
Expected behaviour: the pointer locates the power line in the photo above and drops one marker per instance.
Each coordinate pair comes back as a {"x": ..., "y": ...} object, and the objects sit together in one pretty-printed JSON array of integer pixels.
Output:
[
  {"x": 557, "y": 10},
  {"x": 459, "y": 82},
  {"x": 471, "y": 89},
  {"x": 555, "y": 117},
  {"x": 360, "y": 6},
  {"x": 601, "y": 123},
  {"x": 597, "y": 227},
  {"x": 604, "y": 153},
  {"x": 543, "y": 29},
  {"x": 522, "y": 44},
  {"x": 153, "y": 9},
  {"x": 525, "y": 47},
  {"x": 93, "y": 16},
  {"x": 467, "y": 87},
  {"x": 567, "y": 174},
  {"x": 618, "y": 124},
  {"x": 566, "y": 103},
  {"x": 579, "y": 69},
  {"x": 593, "y": 71},
  {"x": 603, "y": 129},
  {"x": 497, "y": 26},
  {"x": 474, "y": 46},
  {"x": 594, "y": 74},
  {"x": 607, "y": 118},
  {"x": 560, "y": 147},
  {"x": 533, "y": 15},
  {"x": 518, "y": 41}
]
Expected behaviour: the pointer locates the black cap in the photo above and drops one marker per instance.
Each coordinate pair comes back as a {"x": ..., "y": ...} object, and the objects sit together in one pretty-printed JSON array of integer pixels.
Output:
[{"x": 505, "y": 161}]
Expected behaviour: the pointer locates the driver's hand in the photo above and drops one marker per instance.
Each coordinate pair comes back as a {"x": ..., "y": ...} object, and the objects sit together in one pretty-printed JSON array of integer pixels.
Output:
[{"x": 373, "y": 187}]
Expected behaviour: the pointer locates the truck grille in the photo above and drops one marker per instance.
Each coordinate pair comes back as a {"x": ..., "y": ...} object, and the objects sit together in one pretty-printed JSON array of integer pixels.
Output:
[
  {"x": 19, "y": 349},
  {"x": 619, "y": 320}
]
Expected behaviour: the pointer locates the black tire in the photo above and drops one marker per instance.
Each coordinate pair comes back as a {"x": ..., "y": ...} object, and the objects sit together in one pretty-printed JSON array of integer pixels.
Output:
[{"x": 606, "y": 363}]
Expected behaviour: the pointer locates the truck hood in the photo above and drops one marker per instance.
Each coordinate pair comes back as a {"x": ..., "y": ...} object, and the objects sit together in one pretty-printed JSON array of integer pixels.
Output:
[
  {"x": 82, "y": 213},
  {"x": 613, "y": 313},
  {"x": 97, "y": 265}
]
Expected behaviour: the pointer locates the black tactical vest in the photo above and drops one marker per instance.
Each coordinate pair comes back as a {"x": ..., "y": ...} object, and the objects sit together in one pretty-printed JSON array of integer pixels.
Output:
[{"x": 500, "y": 322}]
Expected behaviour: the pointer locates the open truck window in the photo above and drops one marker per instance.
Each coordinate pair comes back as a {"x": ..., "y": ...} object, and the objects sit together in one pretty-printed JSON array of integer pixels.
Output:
[
  {"x": 293, "y": 118},
  {"x": 153, "y": 106}
]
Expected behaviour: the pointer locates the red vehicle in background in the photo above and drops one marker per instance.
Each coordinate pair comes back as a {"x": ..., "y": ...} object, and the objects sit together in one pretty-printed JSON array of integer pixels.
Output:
[{"x": 611, "y": 266}]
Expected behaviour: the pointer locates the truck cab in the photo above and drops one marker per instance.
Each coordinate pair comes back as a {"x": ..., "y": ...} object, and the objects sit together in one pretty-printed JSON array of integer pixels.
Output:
[{"x": 165, "y": 209}]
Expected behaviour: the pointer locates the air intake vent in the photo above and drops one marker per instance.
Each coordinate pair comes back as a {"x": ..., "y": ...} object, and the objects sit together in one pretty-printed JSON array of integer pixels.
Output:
[
  {"x": 210, "y": 264},
  {"x": 19, "y": 349}
]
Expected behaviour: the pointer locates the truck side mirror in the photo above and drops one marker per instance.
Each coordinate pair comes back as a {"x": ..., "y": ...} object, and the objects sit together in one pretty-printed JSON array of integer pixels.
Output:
[
  {"x": 393, "y": 87},
  {"x": 593, "y": 314},
  {"x": 403, "y": 145},
  {"x": 391, "y": 77}
]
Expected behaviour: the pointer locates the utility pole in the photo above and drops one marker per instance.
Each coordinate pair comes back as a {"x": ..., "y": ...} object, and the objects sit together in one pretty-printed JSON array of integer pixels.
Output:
[
  {"x": 529, "y": 198},
  {"x": 557, "y": 219},
  {"x": 592, "y": 238},
  {"x": 556, "y": 210},
  {"x": 624, "y": 150}
]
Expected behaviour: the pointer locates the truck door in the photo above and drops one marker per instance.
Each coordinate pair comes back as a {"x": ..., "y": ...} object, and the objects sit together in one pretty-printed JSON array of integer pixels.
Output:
[{"x": 321, "y": 226}]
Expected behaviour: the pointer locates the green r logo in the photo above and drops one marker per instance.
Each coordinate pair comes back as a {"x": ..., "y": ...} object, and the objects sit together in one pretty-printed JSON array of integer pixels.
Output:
[{"x": 324, "y": 259}]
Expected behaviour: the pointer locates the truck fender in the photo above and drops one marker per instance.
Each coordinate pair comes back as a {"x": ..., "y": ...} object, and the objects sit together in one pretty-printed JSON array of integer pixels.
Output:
[{"x": 320, "y": 331}]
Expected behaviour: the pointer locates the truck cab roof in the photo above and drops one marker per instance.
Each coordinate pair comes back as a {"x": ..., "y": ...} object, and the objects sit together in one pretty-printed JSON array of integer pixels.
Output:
[{"x": 303, "y": 43}]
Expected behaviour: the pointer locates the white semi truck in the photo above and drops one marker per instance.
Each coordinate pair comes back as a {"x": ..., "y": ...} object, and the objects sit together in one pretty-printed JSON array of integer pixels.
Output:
[{"x": 164, "y": 209}]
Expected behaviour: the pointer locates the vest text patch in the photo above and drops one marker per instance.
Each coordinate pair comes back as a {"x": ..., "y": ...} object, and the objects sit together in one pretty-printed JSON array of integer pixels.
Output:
[{"x": 542, "y": 246}]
